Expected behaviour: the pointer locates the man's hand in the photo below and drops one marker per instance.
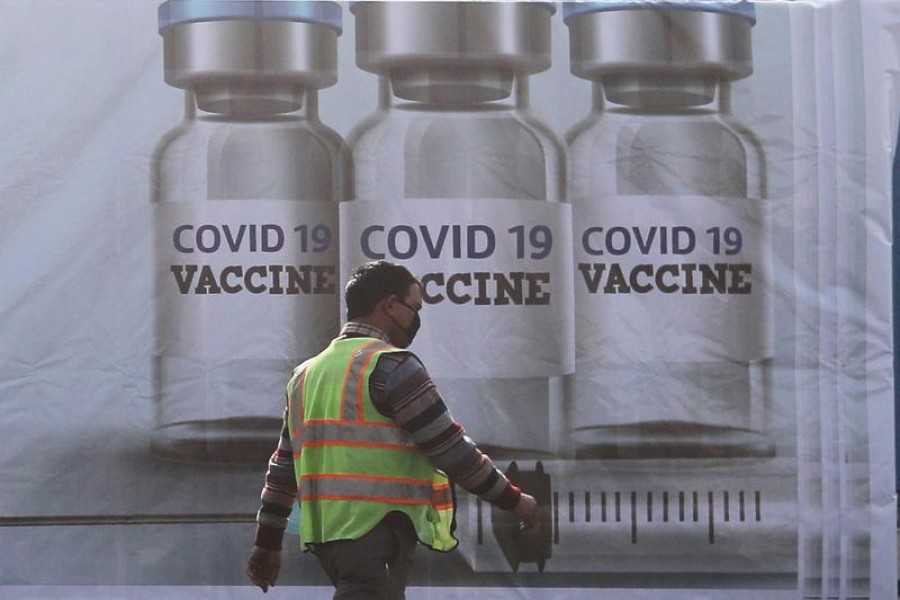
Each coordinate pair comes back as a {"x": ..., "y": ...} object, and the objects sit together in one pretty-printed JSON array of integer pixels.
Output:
[
  {"x": 263, "y": 567},
  {"x": 527, "y": 511}
]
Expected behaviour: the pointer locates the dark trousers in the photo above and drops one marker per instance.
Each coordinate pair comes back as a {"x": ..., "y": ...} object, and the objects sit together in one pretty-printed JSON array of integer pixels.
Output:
[{"x": 374, "y": 567}]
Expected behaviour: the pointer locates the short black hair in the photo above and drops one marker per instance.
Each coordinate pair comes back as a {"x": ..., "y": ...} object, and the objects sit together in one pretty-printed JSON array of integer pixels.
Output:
[{"x": 373, "y": 281}]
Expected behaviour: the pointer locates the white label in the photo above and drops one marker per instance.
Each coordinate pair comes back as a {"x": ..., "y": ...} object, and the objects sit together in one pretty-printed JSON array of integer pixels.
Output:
[
  {"x": 246, "y": 279},
  {"x": 675, "y": 279},
  {"x": 497, "y": 279}
]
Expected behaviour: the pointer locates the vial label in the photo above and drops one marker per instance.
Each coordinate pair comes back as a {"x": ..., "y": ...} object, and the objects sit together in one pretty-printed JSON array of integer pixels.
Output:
[
  {"x": 674, "y": 279},
  {"x": 496, "y": 276},
  {"x": 674, "y": 311},
  {"x": 248, "y": 279}
]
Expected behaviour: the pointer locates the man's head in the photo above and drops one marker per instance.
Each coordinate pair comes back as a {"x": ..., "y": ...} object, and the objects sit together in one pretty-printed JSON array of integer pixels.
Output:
[{"x": 387, "y": 296}]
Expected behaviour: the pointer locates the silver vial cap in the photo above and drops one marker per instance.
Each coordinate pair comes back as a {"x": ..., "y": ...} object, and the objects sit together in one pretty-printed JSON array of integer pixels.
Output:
[
  {"x": 250, "y": 56},
  {"x": 665, "y": 52},
  {"x": 469, "y": 50}
]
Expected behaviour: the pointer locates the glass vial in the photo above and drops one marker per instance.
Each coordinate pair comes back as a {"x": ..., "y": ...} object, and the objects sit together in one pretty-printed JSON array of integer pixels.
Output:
[
  {"x": 672, "y": 284},
  {"x": 246, "y": 190},
  {"x": 457, "y": 179}
]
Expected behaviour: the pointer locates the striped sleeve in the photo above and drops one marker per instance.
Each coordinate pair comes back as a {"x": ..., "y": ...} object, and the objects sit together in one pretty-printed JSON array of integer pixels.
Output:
[
  {"x": 278, "y": 493},
  {"x": 402, "y": 390}
]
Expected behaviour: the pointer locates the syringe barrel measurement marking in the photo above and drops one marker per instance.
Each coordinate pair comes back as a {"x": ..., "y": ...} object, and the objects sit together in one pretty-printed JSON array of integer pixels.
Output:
[
  {"x": 721, "y": 513},
  {"x": 634, "y": 517}
]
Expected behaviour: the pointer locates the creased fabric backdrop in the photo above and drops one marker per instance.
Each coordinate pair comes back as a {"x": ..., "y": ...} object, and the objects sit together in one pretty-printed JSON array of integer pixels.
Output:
[{"x": 86, "y": 511}]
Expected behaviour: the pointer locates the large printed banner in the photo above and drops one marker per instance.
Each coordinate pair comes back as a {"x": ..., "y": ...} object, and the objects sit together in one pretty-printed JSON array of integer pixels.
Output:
[{"x": 655, "y": 246}]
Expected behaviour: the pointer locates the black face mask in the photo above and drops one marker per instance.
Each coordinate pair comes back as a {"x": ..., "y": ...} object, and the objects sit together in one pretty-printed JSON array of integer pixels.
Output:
[{"x": 413, "y": 328}]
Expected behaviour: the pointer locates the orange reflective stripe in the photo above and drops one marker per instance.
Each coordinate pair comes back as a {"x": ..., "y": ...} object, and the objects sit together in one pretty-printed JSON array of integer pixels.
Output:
[
  {"x": 360, "y": 386},
  {"x": 441, "y": 497},
  {"x": 295, "y": 407},
  {"x": 404, "y": 480},
  {"x": 354, "y": 444},
  {"x": 412, "y": 502},
  {"x": 351, "y": 423},
  {"x": 402, "y": 489},
  {"x": 353, "y": 376},
  {"x": 375, "y": 432}
]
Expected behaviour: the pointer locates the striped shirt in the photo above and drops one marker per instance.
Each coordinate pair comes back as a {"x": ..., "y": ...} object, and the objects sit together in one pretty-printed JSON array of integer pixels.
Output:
[{"x": 401, "y": 389}]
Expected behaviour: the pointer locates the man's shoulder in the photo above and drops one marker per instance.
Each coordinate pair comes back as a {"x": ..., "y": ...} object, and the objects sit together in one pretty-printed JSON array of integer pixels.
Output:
[
  {"x": 392, "y": 357},
  {"x": 400, "y": 362}
]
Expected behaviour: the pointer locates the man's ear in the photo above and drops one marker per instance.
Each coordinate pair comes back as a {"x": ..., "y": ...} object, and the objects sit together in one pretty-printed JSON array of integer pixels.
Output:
[{"x": 385, "y": 303}]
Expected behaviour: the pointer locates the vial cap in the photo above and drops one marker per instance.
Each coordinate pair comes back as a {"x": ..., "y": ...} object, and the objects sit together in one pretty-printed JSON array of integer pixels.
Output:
[
  {"x": 739, "y": 8},
  {"x": 401, "y": 34},
  {"x": 551, "y": 6},
  {"x": 315, "y": 12}
]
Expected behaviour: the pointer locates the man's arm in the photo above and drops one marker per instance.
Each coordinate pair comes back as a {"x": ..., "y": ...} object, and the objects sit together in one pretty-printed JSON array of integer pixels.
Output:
[
  {"x": 277, "y": 497},
  {"x": 402, "y": 389},
  {"x": 278, "y": 493}
]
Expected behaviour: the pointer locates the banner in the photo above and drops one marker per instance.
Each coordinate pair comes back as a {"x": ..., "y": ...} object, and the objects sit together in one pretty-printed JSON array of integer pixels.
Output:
[{"x": 655, "y": 242}]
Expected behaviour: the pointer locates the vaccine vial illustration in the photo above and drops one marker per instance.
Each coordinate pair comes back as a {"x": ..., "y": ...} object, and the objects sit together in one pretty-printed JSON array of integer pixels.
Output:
[
  {"x": 672, "y": 263},
  {"x": 246, "y": 190},
  {"x": 457, "y": 179}
]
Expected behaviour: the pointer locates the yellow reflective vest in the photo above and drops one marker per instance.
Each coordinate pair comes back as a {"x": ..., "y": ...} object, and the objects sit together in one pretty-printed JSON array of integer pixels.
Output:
[{"x": 353, "y": 464}]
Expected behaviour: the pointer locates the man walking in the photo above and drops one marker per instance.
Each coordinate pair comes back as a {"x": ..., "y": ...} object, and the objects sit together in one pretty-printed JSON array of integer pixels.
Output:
[{"x": 370, "y": 448}]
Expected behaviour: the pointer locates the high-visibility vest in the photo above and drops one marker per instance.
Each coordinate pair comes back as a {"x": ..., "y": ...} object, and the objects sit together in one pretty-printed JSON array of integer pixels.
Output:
[{"x": 353, "y": 464}]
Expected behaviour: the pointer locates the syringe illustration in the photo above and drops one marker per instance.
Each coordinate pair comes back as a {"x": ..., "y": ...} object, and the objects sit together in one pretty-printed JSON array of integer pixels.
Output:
[{"x": 613, "y": 519}]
